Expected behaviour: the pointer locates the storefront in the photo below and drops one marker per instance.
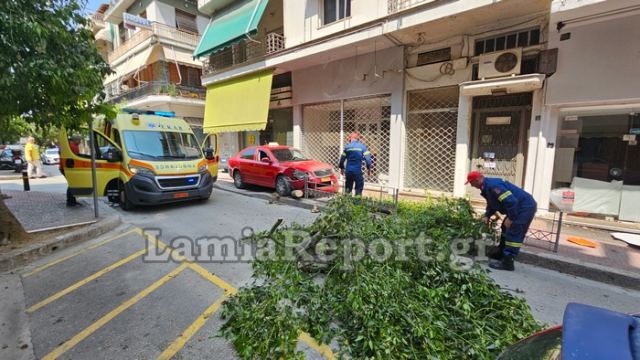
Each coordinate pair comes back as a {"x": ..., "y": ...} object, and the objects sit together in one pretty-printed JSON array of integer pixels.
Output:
[{"x": 595, "y": 107}]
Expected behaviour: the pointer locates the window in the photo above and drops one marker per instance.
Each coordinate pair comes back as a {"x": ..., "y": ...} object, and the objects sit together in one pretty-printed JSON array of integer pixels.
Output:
[
  {"x": 186, "y": 22},
  {"x": 122, "y": 31},
  {"x": 508, "y": 41},
  {"x": 289, "y": 154},
  {"x": 248, "y": 154},
  {"x": 263, "y": 155},
  {"x": 335, "y": 10},
  {"x": 434, "y": 56}
]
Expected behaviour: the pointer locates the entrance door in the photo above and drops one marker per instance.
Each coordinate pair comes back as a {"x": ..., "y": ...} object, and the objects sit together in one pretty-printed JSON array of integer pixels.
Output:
[{"x": 500, "y": 139}]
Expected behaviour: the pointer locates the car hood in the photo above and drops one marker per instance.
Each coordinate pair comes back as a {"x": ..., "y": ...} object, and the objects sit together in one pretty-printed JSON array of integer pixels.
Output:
[{"x": 307, "y": 165}]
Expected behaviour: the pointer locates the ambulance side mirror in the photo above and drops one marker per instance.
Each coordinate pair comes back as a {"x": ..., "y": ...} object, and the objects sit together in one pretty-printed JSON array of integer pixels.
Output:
[{"x": 113, "y": 155}]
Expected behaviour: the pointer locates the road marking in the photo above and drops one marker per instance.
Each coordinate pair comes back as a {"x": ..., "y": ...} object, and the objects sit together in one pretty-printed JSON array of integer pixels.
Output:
[
  {"x": 179, "y": 343},
  {"x": 86, "y": 280},
  {"x": 112, "y": 314},
  {"x": 323, "y": 350},
  {"x": 195, "y": 266},
  {"x": 46, "y": 266}
]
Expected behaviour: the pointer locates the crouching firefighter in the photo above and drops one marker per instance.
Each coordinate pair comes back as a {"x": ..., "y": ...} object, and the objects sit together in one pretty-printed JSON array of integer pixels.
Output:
[{"x": 520, "y": 209}]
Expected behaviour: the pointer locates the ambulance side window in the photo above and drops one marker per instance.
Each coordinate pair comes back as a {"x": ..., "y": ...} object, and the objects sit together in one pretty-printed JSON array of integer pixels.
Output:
[{"x": 102, "y": 146}]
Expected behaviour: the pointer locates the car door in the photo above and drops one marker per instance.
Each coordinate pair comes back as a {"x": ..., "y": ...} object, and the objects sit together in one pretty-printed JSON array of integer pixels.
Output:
[
  {"x": 264, "y": 167},
  {"x": 246, "y": 165},
  {"x": 210, "y": 150},
  {"x": 77, "y": 166}
]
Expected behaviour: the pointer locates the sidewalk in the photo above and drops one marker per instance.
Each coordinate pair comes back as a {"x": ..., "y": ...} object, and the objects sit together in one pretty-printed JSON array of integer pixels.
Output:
[{"x": 45, "y": 224}]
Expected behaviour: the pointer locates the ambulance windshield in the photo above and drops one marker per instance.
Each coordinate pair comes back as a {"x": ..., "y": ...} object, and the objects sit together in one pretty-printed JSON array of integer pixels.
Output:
[{"x": 161, "y": 145}]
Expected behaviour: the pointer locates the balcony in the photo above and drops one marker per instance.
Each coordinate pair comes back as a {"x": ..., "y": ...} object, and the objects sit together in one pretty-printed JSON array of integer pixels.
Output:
[
  {"x": 244, "y": 52},
  {"x": 158, "y": 88},
  {"x": 394, "y": 6},
  {"x": 158, "y": 32}
]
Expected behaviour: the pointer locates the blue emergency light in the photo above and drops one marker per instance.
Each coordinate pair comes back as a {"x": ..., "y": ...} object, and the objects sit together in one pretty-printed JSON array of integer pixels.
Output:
[{"x": 150, "y": 112}]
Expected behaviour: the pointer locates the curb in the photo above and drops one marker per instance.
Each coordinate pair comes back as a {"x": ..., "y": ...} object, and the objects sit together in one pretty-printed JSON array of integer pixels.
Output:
[
  {"x": 595, "y": 272},
  {"x": 299, "y": 203},
  {"x": 35, "y": 251}
]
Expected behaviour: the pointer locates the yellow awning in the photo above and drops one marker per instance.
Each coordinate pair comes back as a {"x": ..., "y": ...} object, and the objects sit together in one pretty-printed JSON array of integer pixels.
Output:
[{"x": 240, "y": 104}]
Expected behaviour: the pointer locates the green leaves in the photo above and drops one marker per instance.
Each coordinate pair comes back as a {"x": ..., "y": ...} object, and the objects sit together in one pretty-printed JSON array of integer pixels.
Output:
[
  {"x": 411, "y": 309},
  {"x": 50, "y": 70}
]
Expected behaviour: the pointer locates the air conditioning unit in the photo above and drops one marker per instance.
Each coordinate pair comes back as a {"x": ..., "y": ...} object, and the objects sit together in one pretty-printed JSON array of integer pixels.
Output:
[{"x": 500, "y": 63}]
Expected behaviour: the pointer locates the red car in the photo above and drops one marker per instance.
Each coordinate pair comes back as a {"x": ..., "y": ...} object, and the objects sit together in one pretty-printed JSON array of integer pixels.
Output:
[{"x": 281, "y": 167}]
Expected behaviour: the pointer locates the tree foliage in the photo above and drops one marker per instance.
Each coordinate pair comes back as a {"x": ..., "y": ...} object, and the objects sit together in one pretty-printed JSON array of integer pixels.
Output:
[{"x": 50, "y": 70}]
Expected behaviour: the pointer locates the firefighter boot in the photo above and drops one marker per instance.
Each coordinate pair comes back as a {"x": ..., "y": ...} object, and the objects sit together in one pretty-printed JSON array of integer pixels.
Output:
[{"x": 505, "y": 264}]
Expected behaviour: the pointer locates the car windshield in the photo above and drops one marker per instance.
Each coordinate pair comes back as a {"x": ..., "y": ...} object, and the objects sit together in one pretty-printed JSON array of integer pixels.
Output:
[
  {"x": 161, "y": 145},
  {"x": 52, "y": 151},
  {"x": 288, "y": 155}
]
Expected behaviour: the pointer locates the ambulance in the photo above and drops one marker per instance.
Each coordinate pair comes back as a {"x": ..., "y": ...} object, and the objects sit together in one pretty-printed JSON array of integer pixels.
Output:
[{"x": 142, "y": 158}]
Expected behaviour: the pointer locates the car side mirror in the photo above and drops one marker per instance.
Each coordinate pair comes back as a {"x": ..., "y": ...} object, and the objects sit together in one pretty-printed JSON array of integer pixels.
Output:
[
  {"x": 208, "y": 153},
  {"x": 113, "y": 155},
  {"x": 266, "y": 160}
]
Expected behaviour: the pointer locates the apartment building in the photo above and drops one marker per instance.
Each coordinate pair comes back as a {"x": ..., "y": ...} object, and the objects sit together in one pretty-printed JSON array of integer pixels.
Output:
[
  {"x": 149, "y": 45},
  {"x": 437, "y": 88},
  {"x": 406, "y": 74}
]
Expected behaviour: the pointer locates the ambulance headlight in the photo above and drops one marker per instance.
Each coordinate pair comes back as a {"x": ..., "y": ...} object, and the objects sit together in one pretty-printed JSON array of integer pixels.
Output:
[{"x": 139, "y": 170}]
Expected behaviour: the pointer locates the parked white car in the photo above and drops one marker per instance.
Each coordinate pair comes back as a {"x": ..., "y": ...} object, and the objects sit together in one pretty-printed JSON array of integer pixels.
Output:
[{"x": 51, "y": 156}]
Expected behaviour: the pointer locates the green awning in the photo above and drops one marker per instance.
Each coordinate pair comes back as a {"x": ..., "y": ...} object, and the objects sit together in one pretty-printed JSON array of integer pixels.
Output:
[{"x": 230, "y": 26}]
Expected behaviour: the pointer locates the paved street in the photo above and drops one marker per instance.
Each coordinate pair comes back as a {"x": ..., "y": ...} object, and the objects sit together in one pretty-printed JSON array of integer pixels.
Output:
[{"x": 101, "y": 299}]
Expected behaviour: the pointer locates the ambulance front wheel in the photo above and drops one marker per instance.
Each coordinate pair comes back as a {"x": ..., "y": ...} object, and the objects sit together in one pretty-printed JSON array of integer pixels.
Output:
[{"x": 125, "y": 203}]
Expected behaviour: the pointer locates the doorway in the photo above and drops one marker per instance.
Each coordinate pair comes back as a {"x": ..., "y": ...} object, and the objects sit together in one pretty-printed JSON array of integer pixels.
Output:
[{"x": 500, "y": 136}]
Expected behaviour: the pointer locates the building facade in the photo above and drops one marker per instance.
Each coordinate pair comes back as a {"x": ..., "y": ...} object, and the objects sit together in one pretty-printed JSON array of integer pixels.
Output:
[
  {"x": 437, "y": 88},
  {"x": 149, "y": 46}
]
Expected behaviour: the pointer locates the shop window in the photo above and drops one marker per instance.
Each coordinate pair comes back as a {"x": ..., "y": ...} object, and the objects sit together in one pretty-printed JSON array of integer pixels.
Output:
[{"x": 334, "y": 10}]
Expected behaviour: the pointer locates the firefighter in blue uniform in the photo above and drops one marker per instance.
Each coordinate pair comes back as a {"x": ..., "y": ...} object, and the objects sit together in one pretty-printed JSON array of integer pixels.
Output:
[
  {"x": 354, "y": 153},
  {"x": 520, "y": 209}
]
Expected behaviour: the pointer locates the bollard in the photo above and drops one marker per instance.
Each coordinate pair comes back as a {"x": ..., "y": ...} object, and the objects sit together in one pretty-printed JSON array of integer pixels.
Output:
[{"x": 25, "y": 180}]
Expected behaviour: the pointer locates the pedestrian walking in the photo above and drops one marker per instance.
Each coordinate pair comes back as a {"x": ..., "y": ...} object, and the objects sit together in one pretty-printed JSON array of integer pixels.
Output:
[
  {"x": 354, "y": 153},
  {"x": 32, "y": 155},
  {"x": 520, "y": 209}
]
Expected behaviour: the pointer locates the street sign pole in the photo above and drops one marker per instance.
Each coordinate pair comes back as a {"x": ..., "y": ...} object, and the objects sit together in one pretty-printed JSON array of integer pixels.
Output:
[{"x": 92, "y": 142}]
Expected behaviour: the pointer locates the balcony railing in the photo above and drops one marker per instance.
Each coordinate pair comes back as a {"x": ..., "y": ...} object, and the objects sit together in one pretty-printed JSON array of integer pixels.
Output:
[
  {"x": 244, "y": 52},
  {"x": 394, "y": 6},
  {"x": 161, "y": 32},
  {"x": 158, "y": 88}
]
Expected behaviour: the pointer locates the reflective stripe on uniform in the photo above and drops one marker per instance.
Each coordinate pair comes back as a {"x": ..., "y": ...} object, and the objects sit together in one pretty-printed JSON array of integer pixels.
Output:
[
  {"x": 367, "y": 153},
  {"x": 353, "y": 149},
  {"x": 504, "y": 195},
  {"x": 513, "y": 244},
  {"x": 344, "y": 153}
]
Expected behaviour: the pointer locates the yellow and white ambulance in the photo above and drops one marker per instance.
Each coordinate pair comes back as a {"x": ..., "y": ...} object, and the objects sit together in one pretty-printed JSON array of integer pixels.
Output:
[{"x": 142, "y": 158}]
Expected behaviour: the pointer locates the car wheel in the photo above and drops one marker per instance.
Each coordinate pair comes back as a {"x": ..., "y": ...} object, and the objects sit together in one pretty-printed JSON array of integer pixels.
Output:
[
  {"x": 282, "y": 186},
  {"x": 125, "y": 203},
  {"x": 237, "y": 180}
]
